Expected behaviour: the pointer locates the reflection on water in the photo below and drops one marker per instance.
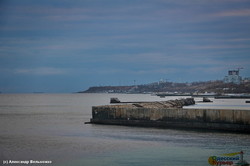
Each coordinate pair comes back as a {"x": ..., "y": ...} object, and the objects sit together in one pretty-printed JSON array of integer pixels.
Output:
[{"x": 51, "y": 127}]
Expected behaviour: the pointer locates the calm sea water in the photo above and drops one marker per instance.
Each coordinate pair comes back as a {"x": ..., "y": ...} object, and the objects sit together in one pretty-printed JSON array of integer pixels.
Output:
[{"x": 51, "y": 127}]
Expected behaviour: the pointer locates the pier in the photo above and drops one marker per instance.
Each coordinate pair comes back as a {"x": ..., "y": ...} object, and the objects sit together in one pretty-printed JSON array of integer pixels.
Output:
[{"x": 170, "y": 114}]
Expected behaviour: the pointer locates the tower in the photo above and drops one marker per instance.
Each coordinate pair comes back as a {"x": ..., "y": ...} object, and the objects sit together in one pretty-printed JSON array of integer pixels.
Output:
[{"x": 233, "y": 77}]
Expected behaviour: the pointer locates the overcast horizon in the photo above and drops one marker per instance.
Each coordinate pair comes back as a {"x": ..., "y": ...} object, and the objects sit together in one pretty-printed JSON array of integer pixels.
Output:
[{"x": 66, "y": 46}]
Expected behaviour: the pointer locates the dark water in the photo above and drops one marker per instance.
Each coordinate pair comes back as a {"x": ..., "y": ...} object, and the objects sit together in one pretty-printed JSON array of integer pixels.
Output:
[{"x": 51, "y": 127}]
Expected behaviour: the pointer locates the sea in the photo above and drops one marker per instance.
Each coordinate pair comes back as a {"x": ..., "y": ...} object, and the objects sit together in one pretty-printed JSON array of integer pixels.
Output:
[{"x": 51, "y": 128}]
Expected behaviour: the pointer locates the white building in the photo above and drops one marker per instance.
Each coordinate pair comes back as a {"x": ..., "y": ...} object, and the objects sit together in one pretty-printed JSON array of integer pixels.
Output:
[
  {"x": 233, "y": 77},
  {"x": 247, "y": 79}
]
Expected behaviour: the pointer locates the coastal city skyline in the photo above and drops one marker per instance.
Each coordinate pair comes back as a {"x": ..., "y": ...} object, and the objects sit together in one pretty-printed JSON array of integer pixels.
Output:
[{"x": 67, "y": 46}]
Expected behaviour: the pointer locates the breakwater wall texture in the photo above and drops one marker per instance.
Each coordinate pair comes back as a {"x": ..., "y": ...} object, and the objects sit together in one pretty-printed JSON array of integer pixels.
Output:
[{"x": 172, "y": 117}]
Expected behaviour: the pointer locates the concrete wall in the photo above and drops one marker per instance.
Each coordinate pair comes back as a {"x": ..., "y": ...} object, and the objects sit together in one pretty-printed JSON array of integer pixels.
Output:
[{"x": 235, "y": 120}]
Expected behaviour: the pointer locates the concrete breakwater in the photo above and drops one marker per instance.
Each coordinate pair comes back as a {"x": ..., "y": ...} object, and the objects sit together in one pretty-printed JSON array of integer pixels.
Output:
[{"x": 162, "y": 114}]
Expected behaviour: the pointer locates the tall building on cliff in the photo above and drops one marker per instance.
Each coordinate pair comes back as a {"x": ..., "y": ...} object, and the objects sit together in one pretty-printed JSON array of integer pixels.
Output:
[{"x": 233, "y": 77}]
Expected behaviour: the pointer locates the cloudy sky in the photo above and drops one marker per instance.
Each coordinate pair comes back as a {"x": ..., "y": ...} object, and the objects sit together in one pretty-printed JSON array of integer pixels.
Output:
[{"x": 67, "y": 46}]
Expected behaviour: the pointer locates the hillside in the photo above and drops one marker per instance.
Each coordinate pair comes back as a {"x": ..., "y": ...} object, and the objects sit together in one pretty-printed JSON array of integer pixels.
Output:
[{"x": 171, "y": 87}]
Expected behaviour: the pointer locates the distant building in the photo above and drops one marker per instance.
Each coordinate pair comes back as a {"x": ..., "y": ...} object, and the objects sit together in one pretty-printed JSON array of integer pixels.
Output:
[
  {"x": 233, "y": 77},
  {"x": 247, "y": 79}
]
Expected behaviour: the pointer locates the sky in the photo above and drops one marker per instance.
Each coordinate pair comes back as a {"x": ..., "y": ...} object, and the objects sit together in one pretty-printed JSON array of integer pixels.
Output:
[{"x": 62, "y": 46}]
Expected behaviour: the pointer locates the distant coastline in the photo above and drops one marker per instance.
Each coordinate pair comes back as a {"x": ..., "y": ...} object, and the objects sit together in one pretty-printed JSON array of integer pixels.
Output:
[{"x": 214, "y": 87}]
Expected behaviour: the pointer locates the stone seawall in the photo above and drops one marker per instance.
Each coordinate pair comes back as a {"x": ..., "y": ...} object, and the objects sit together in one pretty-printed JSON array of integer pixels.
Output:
[{"x": 205, "y": 119}]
